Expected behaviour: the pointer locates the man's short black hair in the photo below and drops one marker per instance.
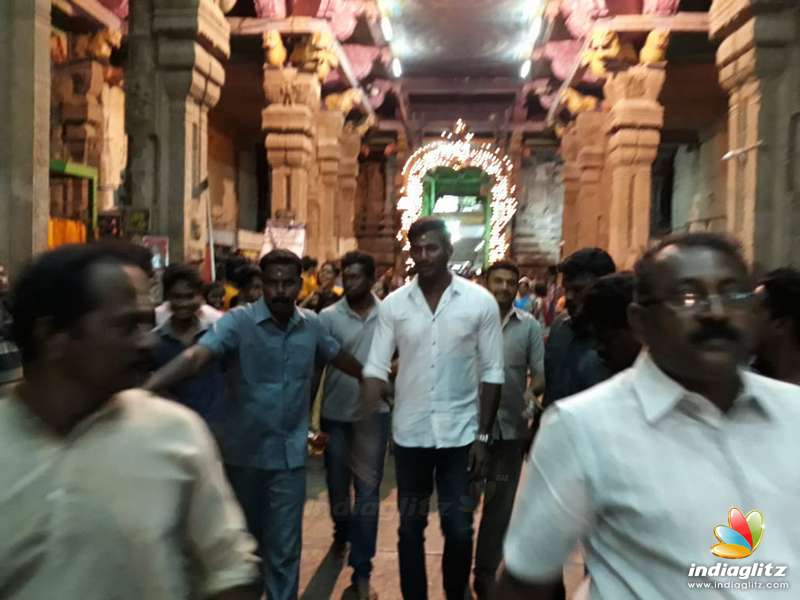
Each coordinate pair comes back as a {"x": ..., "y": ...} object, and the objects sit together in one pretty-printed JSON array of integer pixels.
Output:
[
  {"x": 426, "y": 225},
  {"x": 356, "y": 257},
  {"x": 644, "y": 267},
  {"x": 233, "y": 262},
  {"x": 540, "y": 289},
  {"x": 606, "y": 300},
  {"x": 57, "y": 286},
  {"x": 281, "y": 256},
  {"x": 128, "y": 253},
  {"x": 309, "y": 263},
  {"x": 503, "y": 264},
  {"x": 181, "y": 272},
  {"x": 782, "y": 298},
  {"x": 245, "y": 274},
  {"x": 594, "y": 262}
]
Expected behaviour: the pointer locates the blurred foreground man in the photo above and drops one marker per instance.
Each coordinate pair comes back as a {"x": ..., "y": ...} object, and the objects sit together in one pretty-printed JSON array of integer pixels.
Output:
[
  {"x": 643, "y": 468},
  {"x": 104, "y": 493},
  {"x": 523, "y": 355}
]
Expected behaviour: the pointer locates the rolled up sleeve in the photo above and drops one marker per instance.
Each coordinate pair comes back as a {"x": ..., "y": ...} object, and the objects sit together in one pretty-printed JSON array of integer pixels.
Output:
[
  {"x": 382, "y": 348},
  {"x": 223, "y": 337},
  {"x": 220, "y": 546},
  {"x": 553, "y": 511},
  {"x": 490, "y": 344}
]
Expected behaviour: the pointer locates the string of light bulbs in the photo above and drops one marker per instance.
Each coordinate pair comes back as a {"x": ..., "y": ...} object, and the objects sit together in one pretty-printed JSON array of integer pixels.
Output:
[{"x": 457, "y": 151}]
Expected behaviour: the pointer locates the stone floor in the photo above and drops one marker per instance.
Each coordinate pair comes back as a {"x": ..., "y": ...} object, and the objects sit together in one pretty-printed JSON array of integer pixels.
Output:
[{"x": 322, "y": 576}]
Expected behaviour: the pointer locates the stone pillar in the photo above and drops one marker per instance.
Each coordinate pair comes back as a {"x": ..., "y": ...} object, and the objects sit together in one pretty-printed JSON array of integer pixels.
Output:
[
  {"x": 591, "y": 160},
  {"x": 329, "y": 129},
  {"x": 634, "y": 126},
  {"x": 570, "y": 174},
  {"x": 758, "y": 59},
  {"x": 290, "y": 123},
  {"x": 173, "y": 78},
  {"x": 24, "y": 130},
  {"x": 350, "y": 144}
]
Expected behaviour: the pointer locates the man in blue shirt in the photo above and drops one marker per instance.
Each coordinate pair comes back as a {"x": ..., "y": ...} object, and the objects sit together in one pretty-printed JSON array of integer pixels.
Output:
[
  {"x": 263, "y": 432},
  {"x": 202, "y": 392},
  {"x": 351, "y": 321}
]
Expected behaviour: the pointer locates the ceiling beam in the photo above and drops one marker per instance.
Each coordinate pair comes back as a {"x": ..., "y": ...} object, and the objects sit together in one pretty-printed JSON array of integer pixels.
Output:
[
  {"x": 435, "y": 86},
  {"x": 299, "y": 26}
]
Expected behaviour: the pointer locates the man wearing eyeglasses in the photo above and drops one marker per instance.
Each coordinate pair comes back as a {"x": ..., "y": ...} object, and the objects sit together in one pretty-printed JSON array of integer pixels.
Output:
[{"x": 643, "y": 467}]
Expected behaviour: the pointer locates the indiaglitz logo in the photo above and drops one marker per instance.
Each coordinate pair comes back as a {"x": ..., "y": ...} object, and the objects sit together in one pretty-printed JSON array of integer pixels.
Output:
[{"x": 742, "y": 535}]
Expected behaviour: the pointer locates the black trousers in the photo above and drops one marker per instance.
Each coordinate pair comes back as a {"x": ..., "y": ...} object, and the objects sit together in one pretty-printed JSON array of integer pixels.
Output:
[{"x": 417, "y": 469}]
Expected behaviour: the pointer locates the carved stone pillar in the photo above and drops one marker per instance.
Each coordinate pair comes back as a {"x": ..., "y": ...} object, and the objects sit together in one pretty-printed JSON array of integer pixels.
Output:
[
  {"x": 24, "y": 130},
  {"x": 758, "y": 67},
  {"x": 290, "y": 122},
  {"x": 350, "y": 144},
  {"x": 571, "y": 174},
  {"x": 173, "y": 77},
  {"x": 634, "y": 126},
  {"x": 329, "y": 128},
  {"x": 591, "y": 160}
]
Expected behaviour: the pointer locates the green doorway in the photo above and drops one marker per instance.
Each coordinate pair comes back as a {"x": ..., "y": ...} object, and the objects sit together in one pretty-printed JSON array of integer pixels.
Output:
[{"x": 460, "y": 197}]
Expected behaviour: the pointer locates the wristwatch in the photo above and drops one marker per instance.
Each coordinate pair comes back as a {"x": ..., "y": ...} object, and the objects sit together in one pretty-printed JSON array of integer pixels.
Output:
[{"x": 483, "y": 438}]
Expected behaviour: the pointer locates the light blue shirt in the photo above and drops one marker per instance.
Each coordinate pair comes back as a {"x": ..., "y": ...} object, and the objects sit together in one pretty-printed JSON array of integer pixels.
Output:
[
  {"x": 641, "y": 471},
  {"x": 265, "y": 424},
  {"x": 341, "y": 394},
  {"x": 443, "y": 358}
]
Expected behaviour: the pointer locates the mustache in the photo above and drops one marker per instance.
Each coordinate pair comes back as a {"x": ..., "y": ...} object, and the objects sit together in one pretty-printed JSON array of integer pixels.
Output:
[{"x": 715, "y": 332}]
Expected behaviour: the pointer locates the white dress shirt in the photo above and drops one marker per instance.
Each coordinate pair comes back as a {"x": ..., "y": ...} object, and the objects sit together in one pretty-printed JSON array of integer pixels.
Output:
[
  {"x": 642, "y": 471},
  {"x": 132, "y": 504},
  {"x": 443, "y": 358}
]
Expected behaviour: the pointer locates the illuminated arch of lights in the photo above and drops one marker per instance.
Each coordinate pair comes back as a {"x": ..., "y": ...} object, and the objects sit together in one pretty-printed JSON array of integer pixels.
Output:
[{"x": 456, "y": 151}]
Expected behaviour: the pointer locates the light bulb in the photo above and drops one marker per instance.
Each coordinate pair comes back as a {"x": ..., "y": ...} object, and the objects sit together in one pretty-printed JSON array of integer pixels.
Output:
[
  {"x": 525, "y": 69},
  {"x": 397, "y": 68}
]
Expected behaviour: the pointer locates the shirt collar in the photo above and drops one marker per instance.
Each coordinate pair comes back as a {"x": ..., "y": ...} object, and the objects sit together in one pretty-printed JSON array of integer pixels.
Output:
[
  {"x": 343, "y": 306},
  {"x": 514, "y": 313},
  {"x": 166, "y": 330},
  {"x": 455, "y": 287},
  {"x": 261, "y": 313},
  {"x": 658, "y": 393}
]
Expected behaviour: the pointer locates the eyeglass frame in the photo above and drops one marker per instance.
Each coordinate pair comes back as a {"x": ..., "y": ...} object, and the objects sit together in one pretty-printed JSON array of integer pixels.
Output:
[{"x": 703, "y": 302}]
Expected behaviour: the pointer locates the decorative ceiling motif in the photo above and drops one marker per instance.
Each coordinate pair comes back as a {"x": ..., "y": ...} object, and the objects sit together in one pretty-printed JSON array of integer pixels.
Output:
[{"x": 460, "y": 38}]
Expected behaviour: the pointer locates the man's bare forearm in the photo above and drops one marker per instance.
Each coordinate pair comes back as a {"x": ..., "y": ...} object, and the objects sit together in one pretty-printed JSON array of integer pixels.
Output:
[
  {"x": 509, "y": 587},
  {"x": 489, "y": 404},
  {"x": 348, "y": 364},
  {"x": 187, "y": 363},
  {"x": 372, "y": 390}
]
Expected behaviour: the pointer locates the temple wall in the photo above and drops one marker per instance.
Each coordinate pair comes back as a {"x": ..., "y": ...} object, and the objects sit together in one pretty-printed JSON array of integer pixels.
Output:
[
  {"x": 698, "y": 195},
  {"x": 537, "y": 224}
]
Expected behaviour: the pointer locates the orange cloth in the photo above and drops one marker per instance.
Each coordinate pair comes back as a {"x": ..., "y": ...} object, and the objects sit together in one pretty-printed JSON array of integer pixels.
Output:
[
  {"x": 310, "y": 286},
  {"x": 65, "y": 231}
]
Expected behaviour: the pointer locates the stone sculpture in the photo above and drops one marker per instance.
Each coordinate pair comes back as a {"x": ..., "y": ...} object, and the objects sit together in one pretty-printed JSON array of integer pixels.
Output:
[
  {"x": 577, "y": 102},
  {"x": 606, "y": 52},
  {"x": 276, "y": 51},
  {"x": 655, "y": 48}
]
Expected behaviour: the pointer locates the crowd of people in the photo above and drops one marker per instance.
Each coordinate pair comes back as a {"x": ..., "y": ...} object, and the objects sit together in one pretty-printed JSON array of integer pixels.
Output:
[{"x": 160, "y": 453}]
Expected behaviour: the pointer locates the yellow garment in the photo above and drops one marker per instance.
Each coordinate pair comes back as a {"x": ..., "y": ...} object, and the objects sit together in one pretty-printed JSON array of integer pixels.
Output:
[
  {"x": 231, "y": 291},
  {"x": 65, "y": 231},
  {"x": 310, "y": 286}
]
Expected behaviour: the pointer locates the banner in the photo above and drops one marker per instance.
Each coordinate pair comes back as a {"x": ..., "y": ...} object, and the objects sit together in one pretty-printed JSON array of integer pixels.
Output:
[{"x": 284, "y": 234}]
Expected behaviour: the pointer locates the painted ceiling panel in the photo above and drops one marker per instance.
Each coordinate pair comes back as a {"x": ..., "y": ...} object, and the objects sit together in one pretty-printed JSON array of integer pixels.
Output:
[{"x": 461, "y": 37}]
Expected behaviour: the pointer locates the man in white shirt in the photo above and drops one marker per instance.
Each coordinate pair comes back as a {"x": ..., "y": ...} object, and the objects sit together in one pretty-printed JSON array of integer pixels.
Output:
[
  {"x": 645, "y": 467},
  {"x": 448, "y": 336},
  {"x": 104, "y": 493}
]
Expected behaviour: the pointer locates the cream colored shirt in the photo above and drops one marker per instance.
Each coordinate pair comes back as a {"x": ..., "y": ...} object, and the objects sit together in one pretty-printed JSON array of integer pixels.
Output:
[
  {"x": 131, "y": 505},
  {"x": 641, "y": 471}
]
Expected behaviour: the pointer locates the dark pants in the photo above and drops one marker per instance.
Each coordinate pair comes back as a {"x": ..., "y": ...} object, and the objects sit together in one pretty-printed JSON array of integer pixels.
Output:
[
  {"x": 273, "y": 506},
  {"x": 417, "y": 469},
  {"x": 356, "y": 521},
  {"x": 502, "y": 477}
]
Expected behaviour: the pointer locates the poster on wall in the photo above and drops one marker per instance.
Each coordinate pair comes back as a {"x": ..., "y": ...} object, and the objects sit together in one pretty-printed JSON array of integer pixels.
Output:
[{"x": 280, "y": 233}]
